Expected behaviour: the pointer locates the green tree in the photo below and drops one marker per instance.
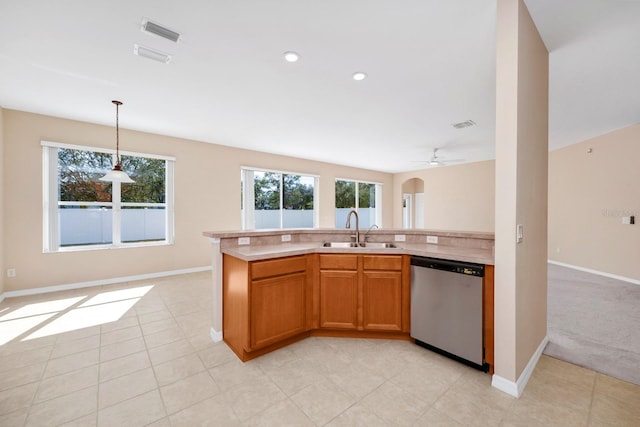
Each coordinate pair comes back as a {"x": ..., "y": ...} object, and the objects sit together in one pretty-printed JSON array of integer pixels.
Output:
[
  {"x": 296, "y": 195},
  {"x": 366, "y": 195},
  {"x": 149, "y": 176},
  {"x": 266, "y": 189},
  {"x": 345, "y": 194},
  {"x": 79, "y": 174}
]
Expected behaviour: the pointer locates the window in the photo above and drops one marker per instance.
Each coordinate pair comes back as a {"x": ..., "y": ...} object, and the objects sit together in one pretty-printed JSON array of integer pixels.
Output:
[
  {"x": 82, "y": 212},
  {"x": 272, "y": 199},
  {"x": 364, "y": 197}
]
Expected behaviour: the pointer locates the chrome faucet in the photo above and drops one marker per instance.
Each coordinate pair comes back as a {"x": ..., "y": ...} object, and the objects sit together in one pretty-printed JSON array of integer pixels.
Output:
[
  {"x": 366, "y": 235},
  {"x": 348, "y": 225}
]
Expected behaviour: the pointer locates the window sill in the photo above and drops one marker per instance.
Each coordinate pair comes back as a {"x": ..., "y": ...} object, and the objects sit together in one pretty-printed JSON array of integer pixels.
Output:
[{"x": 108, "y": 247}]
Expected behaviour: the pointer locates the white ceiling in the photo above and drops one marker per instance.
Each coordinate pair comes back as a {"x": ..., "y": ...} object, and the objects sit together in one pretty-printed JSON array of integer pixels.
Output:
[{"x": 430, "y": 64}]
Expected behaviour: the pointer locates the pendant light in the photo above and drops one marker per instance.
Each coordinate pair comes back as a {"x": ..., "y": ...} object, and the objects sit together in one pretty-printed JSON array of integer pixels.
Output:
[{"x": 117, "y": 174}]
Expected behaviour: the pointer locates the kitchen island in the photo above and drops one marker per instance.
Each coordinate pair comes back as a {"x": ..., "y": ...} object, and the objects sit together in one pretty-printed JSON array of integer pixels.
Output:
[{"x": 275, "y": 287}]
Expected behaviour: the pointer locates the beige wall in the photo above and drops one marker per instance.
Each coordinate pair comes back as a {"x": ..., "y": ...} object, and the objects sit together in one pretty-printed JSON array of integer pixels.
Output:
[
  {"x": 521, "y": 189},
  {"x": 2, "y": 169},
  {"x": 457, "y": 197},
  {"x": 588, "y": 195},
  {"x": 207, "y": 197}
]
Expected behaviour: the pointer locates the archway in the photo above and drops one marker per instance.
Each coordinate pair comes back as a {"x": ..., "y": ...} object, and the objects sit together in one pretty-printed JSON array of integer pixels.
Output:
[{"x": 413, "y": 203}]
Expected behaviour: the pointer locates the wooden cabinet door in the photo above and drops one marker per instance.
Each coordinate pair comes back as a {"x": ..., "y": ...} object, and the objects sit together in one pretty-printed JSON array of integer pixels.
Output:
[
  {"x": 338, "y": 299},
  {"x": 278, "y": 309},
  {"x": 382, "y": 300}
]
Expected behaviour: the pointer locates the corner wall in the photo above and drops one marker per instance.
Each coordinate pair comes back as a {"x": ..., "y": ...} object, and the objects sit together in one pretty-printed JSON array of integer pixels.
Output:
[
  {"x": 589, "y": 193},
  {"x": 207, "y": 197},
  {"x": 522, "y": 88},
  {"x": 3, "y": 168}
]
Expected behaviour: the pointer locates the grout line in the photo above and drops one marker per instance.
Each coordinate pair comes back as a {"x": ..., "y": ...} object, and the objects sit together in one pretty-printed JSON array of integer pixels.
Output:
[
  {"x": 152, "y": 366},
  {"x": 53, "y": 346},
  {"x": 593, "y": 394},
  {"x": 99, "y": 382}
]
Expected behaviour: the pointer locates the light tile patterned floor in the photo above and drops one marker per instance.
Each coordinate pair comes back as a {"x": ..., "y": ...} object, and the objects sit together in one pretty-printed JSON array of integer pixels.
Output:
[{"x": 139, "y": 354}]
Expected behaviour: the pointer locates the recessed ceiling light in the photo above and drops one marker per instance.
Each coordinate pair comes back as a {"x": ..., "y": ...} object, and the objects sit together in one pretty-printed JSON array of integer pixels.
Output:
[
  {"x": 359, "y": 76},
  {"x": 291, "y": 56}
]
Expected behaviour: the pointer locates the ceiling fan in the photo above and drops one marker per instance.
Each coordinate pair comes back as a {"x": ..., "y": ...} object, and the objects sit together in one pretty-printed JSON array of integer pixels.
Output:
[{"x": 435, "y": 160}]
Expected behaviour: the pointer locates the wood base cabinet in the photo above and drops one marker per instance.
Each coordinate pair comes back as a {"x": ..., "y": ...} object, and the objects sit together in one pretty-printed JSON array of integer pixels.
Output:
[
  {"x": 271, "y": 303},
  {"x": 277, "y": 309},
  {"x": 382, "y": 300},
  {"x": 339, "y": 299},
  {"x": 364, "y": 292},
  {"x": 265, "y": 304}
]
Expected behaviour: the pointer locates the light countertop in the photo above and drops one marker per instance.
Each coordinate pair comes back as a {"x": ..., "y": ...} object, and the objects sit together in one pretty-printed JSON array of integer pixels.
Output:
[{"x": 260, "y": 252}]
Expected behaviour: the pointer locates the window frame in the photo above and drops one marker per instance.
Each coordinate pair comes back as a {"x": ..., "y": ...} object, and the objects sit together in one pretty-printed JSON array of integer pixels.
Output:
[
  {"x": 247, "y": 196},
  {"x": 50, "y": 231},
  {"x": 378, "y": 198}
]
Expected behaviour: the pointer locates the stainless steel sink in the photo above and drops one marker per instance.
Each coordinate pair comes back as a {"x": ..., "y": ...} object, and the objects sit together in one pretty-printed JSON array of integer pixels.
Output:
[
  {"x": 340, "y": 245},
  {"x": 379, "y": 245},
  {"x": 371, "y": 245}
]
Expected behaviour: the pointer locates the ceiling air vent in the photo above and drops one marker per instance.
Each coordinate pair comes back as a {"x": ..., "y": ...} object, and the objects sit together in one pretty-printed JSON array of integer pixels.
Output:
[
  {"x": 159, "y": 30},
  {"x": 463, "y": 125},
  {"x": 147, "y": 52}
]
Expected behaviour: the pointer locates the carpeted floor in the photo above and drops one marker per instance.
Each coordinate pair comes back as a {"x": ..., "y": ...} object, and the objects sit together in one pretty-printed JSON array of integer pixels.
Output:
[{"x": 594, "y": 321}]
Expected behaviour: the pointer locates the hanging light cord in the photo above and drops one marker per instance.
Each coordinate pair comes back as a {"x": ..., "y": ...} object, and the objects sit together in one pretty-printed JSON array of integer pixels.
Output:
[
  {"x": 117, "y": 174},
  {"x": 117, "y": 104}
]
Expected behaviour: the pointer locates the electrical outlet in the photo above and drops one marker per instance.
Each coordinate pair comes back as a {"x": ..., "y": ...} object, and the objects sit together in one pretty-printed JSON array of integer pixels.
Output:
[
  {"x": 285, "y": 238},
  {"x": 11, "y": 272},
  {"x": 244, "y": 240},
  {"x": 400, "y": 238},
  {"x": 432, "y": 239},
  {"x": 628, "y": 220}
]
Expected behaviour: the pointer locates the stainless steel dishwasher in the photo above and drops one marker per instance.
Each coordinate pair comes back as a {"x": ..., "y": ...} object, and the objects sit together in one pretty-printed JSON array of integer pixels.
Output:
[{"x": 446, "y": 308}]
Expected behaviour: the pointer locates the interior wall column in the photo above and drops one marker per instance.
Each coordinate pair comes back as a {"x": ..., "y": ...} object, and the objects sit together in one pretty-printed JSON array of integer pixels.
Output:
[
  {"x": 522, "y": 81},
  {"x": 2, "y": 169}
]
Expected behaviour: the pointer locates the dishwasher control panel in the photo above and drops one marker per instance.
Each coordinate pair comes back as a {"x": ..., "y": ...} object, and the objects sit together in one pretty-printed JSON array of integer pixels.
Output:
[{"x": 467, "y": 268}]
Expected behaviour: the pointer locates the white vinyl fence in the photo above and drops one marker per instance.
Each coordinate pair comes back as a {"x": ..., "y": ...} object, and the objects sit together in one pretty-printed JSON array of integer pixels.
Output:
[
  {"x": 265, "y": 219},
  {"x": 94, "y": 225},
  {"x": 291, "y": 218},
  {"x": 367, "y": 217}
]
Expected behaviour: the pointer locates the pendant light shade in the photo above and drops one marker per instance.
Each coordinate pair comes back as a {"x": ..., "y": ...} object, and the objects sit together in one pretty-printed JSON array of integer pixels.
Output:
[{"x": 117, "y": 174}]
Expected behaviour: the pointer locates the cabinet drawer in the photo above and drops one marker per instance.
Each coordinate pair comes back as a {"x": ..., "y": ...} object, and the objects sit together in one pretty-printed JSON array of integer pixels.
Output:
[
  {"x": 382, "y": 262},
  {"x": 277, "y": 267},
  {"x": 339, "y": 262}
]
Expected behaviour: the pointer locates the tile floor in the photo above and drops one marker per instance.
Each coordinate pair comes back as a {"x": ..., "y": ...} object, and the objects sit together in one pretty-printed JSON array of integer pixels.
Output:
[{"x": 139, "y": 354}]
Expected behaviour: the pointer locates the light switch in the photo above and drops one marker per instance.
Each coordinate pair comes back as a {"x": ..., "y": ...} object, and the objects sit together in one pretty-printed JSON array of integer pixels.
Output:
[{"x": 519, "y": 233}]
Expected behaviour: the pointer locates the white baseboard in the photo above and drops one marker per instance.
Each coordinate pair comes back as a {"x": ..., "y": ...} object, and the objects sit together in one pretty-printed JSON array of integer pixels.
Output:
[
  {"x": 504, "y": 385},
  {"x": 599, "y": 273},
  {"x": 215, "y": 335},
  {"x": 515, "y": 389},
  {"x": 79, "y": 285}
]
